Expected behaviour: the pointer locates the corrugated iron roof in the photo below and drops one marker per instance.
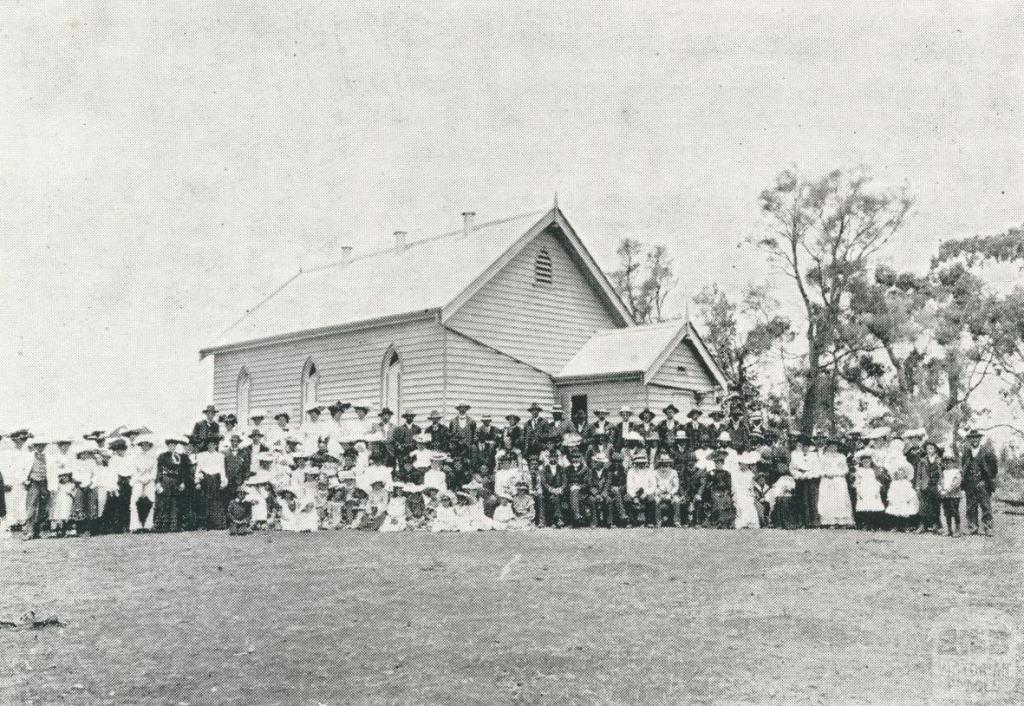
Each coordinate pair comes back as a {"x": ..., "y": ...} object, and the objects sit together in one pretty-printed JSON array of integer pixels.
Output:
[
  {"x": 621, "y": 351},
  {"x": 427, "y": 275}
]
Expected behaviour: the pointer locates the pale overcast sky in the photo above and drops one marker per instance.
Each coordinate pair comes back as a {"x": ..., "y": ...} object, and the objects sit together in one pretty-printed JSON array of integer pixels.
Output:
[{"x": 165, "y": 165}]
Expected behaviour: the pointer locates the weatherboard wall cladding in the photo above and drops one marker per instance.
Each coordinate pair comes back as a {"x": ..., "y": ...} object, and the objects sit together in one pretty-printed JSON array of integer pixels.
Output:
[
  {"x": 492, "y": 382},
  {"x": 684, "y": 370},
  {"x": 609, "y": 394},
  {"x": 543, "y": 325},
  {"x": 349, "y": 365}
]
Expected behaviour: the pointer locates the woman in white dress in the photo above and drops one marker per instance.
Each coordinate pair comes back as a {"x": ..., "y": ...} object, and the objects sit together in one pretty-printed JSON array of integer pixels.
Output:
[
  {"x": 742, "y": 474},
  {"x": 834, "y": 506},
  {"x": 903, "y": 501}
]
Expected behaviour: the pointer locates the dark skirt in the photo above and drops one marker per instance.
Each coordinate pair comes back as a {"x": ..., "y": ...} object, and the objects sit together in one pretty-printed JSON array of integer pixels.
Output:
[
  {"x": 210, "y": 505},
  {"x": 86, "y": 505},
  {"x": 165, "y": 514},
  {"x": 721, "y": 510},
  {"x": 785, "y": 514},
  {"x": 117, "y": 512}
]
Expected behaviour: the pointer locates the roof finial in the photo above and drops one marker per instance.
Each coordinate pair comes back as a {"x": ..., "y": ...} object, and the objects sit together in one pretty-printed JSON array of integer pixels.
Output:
[{"x": 556, "y": 200}]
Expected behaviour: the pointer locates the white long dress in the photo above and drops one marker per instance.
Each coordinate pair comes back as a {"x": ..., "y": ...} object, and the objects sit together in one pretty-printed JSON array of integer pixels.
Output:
[
  {"x": 834, "y": 506},
  {"x": 869, "y": 490},
  {"x": 743, "y": 498},
  {"x": 16, "y": 465}
]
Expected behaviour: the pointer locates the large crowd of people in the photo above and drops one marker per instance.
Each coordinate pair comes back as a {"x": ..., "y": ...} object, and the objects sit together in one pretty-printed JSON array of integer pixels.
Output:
[{"x": 344, "y": 468}]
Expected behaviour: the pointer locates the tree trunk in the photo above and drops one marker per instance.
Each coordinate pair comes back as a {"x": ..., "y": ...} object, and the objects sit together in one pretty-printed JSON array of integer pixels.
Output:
[{"x": 811, "y": 394}]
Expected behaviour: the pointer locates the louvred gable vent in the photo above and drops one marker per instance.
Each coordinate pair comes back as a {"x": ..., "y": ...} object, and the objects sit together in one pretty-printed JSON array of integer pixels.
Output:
[{"x": 542, "y": 268}]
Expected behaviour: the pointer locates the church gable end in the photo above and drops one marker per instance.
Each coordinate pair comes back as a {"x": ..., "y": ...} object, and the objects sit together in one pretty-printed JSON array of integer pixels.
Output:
[{"x": 540, "y": 308}]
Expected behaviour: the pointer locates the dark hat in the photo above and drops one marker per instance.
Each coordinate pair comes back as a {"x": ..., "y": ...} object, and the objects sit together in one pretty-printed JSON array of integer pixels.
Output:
[
  {"x": 256, "y": 432},
  {"x": 670, "y": 408},
  {"x": 434, "y": 414},
  {"x": 694, "y": 413},
  {"x": 91, "y": 436},
  {"x": 230, "y": 417},
  {"x": 385, "y": 412},
  {"x": 118, "y": 445},
  {"x": 209, "y": 408},
  {"x": 716, "y": 414},
  {"x": 534, "y": 408},
  {"x": 462, "y": 404},
  {"x": 803, "y": 439},
  {"x": 736, "y": 412},
  {"x": 646, "y": 412},
  {"x": 408, "y": 415},
  {"x": 974, "y": 434},
  {"x": 24, "y": 434},
  {"x": 286, "y": 416},
  {"x": 338, "y": 406},
  {"x": 510, "y": 417}
]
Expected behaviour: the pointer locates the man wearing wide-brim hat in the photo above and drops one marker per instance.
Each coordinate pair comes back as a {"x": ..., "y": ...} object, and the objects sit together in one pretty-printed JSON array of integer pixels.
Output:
[
  {"x": 462, "y": 442},
  {"x": 438, "y": 432},
  {"x": 205, "y": 428},
  {"x": 536, "y": 432},
  {"x": 979, "y": 469},
  {"x": 403, "y": 441},
  {"x": 36, "y": 491}
]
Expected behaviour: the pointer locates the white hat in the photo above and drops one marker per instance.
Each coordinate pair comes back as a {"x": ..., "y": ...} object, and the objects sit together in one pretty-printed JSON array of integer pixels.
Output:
[
  {"x": 625, "y": 408},
  {"x": 914, "y": 433},
  {"x": 423, "y": 438},
  {"x": 725, "y": 436},
  {"x": 144, "y": 439},
  {"x": 749, "y": 458},
  {"x": 878, "y": 433}
]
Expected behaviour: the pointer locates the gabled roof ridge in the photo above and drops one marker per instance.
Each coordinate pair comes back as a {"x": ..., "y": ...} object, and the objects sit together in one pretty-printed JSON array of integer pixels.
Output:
[{"x": 431, "y": 239}]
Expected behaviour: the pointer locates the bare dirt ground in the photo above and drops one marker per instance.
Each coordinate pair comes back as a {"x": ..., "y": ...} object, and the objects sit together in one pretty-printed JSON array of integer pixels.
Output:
[{"x": 586, "y": 616}]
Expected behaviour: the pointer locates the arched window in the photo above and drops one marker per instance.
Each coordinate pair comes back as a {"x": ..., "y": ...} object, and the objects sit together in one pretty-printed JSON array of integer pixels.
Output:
[
  {"x": 391, "y": 381},
  {"x": 542, "y": 268},
  {"x": 310, "y": 381},
  {"x": 243, "y": 393}
]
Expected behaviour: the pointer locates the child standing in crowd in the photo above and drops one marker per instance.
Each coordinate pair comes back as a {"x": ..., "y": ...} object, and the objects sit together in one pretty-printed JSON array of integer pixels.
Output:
[
  {"x": 949, "y": 491},
  {"x": 903, "y": 504},
  {"x": 870, "y": 507},
  {"x": 782, "y": 510},
  {"x": 63, "y": 503}
]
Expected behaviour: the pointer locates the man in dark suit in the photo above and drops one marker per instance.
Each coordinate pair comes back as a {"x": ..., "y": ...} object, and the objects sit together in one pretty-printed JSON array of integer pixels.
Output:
[
  {"x": 488, "y": 439},
  {"x": 580, "y": 426},
  {"x": 438, "y": 433},
  {"x": 462, "y": 442},
  {"x": 979, "y": 467},
  {"x": 695, "y": 431},
  {"x": 668, "y": 426},
  {"x": 622, "y": 427},
  {"x": 206, "y": 429},
  {"x": 536, "y": 432},
  {"x": 513, "y": 431},
  {"x": 403, "y": 438}
]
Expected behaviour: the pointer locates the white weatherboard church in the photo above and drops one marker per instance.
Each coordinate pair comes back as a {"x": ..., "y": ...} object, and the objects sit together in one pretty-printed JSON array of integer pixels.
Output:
[{"x": 498, "y": 314}]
